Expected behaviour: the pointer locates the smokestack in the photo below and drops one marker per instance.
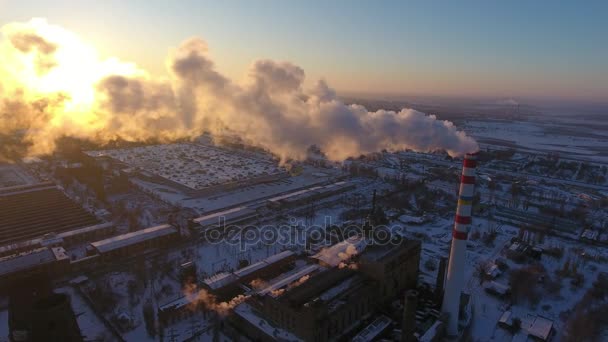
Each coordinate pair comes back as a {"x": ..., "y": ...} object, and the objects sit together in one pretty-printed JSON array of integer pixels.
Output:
[
  {"x": 455, "y": 276},
  {"x": 409, "y": 316},
  {"x": 439, "y": 285}
]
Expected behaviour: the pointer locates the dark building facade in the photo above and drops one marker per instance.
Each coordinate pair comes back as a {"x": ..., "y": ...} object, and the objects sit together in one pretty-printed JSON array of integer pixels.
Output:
[{"x": 329, "y": 303}]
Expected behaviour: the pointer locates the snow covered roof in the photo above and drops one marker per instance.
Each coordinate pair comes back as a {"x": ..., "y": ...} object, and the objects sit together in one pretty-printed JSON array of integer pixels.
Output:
[
  {"x": 23, "y": 261},
  {"x": 220, "y": 280},
  {"x": 291, "y": 194},
  {"x": 174, "y": 304},
  {"x": 288, "y": 279},
  {"x": 228, "y": 215},
  {"x": 506, "y": 318},
  {"x": 124, "y": 240},
  {"x": 334, "y": 291},
  {"x": 499, "y": 288},
  {"x": 250, "y": 269},
  {"x": 279, "y": 256},
  {"x": 249, "y": 314},
  {"x": 85, "y": 230},
  {"x": 373, "y": 330},
  {"x": 541, "y": 328},
  {"x": 341, "y": 251}
]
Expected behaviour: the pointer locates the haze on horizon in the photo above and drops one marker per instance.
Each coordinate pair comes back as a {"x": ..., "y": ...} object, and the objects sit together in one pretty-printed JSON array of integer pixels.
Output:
[{"x": 520, "y": 49}]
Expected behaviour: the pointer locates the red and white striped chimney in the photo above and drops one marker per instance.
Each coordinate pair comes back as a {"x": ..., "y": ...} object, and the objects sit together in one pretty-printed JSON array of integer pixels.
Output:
[{"x": 455, "y": 276}]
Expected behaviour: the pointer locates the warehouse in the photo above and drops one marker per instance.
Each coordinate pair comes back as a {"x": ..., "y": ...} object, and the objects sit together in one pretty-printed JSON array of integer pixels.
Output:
[
  {"x": 44, "y": 260},
  {"x": 221, "y": 220},
  {"x": 134, "y": 242}
]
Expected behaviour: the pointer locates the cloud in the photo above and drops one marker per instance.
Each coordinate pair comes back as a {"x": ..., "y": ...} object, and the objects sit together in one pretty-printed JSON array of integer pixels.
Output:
[{"x": 271, "y": 109}]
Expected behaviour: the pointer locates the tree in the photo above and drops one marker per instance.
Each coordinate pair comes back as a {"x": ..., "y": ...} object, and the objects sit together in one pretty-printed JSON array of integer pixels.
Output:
[{"x": 149, "y": 318}]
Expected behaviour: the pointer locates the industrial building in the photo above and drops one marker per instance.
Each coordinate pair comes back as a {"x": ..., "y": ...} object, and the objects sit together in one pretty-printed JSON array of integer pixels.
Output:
[
  {"x": 134, "y": 242},
  {"x": 192, "y": 168},
  {"x": 41, "y": 261},
  {"x": 222, "y": 219},
  {"x": 31, "y": 211},
  {"x": 67, "y": 238},
  {"x": 317, "y": 301},
  {"x": 316, "y": 193}
]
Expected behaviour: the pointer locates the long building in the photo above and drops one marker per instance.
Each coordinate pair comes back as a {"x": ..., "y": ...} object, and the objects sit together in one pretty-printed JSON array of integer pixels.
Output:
[
  {"x": 134, "y": 242},
  {"x": 67, "y": 238},
  {"x": 40, "y": 261}
]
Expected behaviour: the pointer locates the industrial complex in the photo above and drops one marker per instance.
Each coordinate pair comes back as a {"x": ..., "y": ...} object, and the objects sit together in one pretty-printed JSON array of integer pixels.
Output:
[{"x": 193, "y": 241}]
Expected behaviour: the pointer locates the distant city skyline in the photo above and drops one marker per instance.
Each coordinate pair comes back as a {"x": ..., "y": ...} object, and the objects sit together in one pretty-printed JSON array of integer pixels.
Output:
[{"x": 473, "y": 48}]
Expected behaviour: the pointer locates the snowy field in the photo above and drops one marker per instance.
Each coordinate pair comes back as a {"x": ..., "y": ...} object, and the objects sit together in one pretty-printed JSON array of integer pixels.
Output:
[
  {"x": 542, "y": 134},
  {"x": 193, "y": 165}
]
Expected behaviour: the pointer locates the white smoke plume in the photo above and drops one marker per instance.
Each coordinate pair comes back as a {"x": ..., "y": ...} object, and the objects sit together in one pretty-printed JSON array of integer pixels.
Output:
[
  {"x": 201, "y": 297},
  {"x": 271, "y": 109}
]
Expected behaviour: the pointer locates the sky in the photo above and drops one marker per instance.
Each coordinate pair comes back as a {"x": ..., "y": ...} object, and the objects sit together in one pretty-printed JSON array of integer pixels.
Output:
[{"x": 505, "y": 49}]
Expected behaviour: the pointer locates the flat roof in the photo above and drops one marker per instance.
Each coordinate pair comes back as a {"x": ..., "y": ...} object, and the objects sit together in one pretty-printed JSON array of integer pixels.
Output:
[
  {"x": 341, "y": 251},
  {"x": 84, "y": 230},
  {"x": 230, "y": 214},
  {"x": 541, "y": 328},
  {"x": 373, "y": 330},
  {"x": 175, "y": 304},
  {"x": 249, "y": 314},
  {"x": 220, "y": 280},
  {"x": 279, "y": 256},
  {"x": 27, "y": 260},
  {"x": 288, "y": 279},
  {"x": 123, "y": 240},
  {"x": 245, "y": 271}
]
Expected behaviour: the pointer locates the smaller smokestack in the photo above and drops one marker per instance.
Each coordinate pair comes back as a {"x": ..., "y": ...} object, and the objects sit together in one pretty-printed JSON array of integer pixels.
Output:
[
  {"x": 440, "y": 279},
  {"x": 409, "y": 316}
]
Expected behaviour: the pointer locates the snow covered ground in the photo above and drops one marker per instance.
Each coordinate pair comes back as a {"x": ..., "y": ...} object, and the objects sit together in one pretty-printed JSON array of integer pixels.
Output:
[{"x": 541, "y": 135}]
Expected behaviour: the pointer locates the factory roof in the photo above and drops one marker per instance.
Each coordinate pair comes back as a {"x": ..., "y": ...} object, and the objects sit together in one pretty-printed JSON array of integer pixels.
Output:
[
  {"x": 378, "y": 252},
  {"x": 338, "y": 289},
  {"x": 123, "y": 240},
  {"x": 245, "y": 271},
  {"x": 288, "y": 278},
  {"x": 85, "y": 230},
  {"x": 541, "y": 328},
  {"x": 30, "y": 259},
  {"x": 175, "y": 304},
  {"x": 249, "y": 314},
  {"x": 291, "y": 194},
  {"x": 228, "y": 215},
  {"x": 279, "y": 256},
  {"x": 341, "y": 251},
  {"x": 373, "y": 330},
  {"x": 220, "y": 280}
]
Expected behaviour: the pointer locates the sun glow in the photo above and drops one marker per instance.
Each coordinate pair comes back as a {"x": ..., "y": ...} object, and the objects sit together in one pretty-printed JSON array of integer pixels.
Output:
[{"x": 61, "y": 64}]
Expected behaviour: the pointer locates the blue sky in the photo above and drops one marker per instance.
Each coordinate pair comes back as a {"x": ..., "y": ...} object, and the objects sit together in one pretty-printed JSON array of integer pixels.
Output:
[{"x": 464, "y": 48}]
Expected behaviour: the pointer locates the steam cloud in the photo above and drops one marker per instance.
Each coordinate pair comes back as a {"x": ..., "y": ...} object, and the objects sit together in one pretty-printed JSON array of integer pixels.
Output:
[
  {"x": 200, "y": 297},
  {"x": 271, "y": 109}
]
